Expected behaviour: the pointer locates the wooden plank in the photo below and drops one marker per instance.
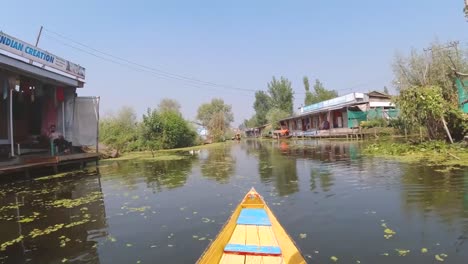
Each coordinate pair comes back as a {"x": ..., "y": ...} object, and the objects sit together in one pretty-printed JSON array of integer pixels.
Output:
[
  {"x": 239, "y": 235},
  {"x": 266, "y": 236},
  {"x": 252, "y": 235},
  {"x": 272, "y": 260},
  {"x": 232, "y": 259},
  {"x": 252, "y": 250},
  {"x": 253, "y": 259},
  {"x": 253, "y": 216}
]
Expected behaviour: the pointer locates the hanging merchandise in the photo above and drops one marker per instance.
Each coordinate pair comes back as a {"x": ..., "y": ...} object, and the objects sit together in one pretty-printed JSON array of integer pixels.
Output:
[
  {"x": 54, "y": 89},
  {"x": 39, "y": 90},
  {"x": 5, "y": 88},
  {"x": 59, "y": 94}
]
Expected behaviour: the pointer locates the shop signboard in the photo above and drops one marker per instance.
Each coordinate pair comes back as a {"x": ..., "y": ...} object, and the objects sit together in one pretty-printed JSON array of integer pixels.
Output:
[{"x": 31, "y": 52}]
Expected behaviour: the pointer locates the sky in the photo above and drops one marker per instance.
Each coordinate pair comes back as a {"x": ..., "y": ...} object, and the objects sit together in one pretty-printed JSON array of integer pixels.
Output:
[{"x": 221, "y": 49}]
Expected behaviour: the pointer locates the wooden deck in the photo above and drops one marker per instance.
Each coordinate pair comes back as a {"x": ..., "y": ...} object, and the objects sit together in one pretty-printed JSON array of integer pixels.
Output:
[
  {"x": 252, "y": 235},
  {"x": 26, "y": 164}
]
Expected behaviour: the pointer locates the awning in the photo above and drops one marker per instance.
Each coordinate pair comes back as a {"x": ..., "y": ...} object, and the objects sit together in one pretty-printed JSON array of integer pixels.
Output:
[{"x": 32, "y": 71}]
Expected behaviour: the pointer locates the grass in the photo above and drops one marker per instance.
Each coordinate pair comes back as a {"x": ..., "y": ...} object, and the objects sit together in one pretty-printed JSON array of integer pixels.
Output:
[{"x": 166, "y": 154}]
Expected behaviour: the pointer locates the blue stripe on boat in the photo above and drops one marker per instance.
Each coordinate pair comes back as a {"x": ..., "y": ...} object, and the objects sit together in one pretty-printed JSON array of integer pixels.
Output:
[
  {"x": 252, "y": 249},
  {"x": 253, "y": 217}
]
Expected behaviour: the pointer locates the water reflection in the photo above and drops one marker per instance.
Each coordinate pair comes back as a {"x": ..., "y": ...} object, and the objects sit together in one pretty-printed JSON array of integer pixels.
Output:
[
  {"x": 218, "y": 164},
  {"x": 64, "y": 217},
  {"x": 274, "y": 167}
]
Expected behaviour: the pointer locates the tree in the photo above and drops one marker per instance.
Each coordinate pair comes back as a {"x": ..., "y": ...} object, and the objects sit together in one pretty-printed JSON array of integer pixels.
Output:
[
  {"x": 308, "y": 95},
  {"x": 385, "y": 90},
  {"x": 275, "y": 115},
  {"x": 119, "y": 130},
  {"x": 281, "y": 94},
  {"x": 465, "y": 9},
  {"x": 251, "y": 122},
  {"x": 216, "y": 116},
  {"x": 166, "y": 130},
  {"x": 321, "y": 94},
  {"x": 168, "y": 104},
  {"x": 425, "y": 78},
  {"x": 262, "y": 105}
]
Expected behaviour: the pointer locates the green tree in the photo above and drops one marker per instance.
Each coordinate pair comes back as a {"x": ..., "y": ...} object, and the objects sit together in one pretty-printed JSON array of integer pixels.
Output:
[
  {"x": 166, "y": 130},
  {"x": 168, "y": 104},
  {"x": 251, "y": 122},
  {"x": 321, "y": 93},
  {"x": 216, "y": 116},
  {"x": 119, "y": 131},
  {"x": 261, "y": 105},
  {"x": 309, "y": 97},
  {"x": 425, "y": 78},
  {"x": 274, "y": 116},
  {"x": 281, "y": 94}
]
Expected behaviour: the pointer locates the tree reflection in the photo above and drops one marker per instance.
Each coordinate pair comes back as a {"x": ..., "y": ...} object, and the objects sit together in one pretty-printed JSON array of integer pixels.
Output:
[
  {"x": 324, "y": 176},
  {"x": 219, "y": 164},
  {"x": 273, "y": 166},
  {"x": 168, "y": 174},
  {"x": 444, "y": 192}
]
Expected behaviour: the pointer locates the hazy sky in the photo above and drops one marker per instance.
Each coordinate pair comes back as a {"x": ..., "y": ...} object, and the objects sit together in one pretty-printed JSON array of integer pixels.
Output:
[{"x": 348, "y": 45}]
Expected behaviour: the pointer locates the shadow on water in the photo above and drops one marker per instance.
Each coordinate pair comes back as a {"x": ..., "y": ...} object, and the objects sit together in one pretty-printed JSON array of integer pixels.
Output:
[{"x": 53, "y": 220}]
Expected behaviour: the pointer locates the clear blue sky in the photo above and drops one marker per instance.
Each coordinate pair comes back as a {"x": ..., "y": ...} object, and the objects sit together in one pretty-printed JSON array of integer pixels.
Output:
[{"x": 348, "y": 45}]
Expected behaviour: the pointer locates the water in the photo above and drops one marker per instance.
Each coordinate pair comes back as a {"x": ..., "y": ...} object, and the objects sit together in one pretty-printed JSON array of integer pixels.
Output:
[{"x": 330, "y": 199}]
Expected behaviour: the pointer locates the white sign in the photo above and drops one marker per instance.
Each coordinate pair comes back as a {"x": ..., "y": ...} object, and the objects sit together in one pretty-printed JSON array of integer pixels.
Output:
[{"x": 31, "y": 52}]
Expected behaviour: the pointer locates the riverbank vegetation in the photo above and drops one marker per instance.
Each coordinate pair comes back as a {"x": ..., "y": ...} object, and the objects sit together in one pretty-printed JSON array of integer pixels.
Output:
[
  {"x": 164, "y": 127},
  {"x": 436, "y": 153}
]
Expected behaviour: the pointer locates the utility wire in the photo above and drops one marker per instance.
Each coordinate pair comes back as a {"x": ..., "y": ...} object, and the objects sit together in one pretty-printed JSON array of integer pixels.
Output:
[
  {"x": 166, "y": 73},
  {"x": 212, "y": 88}
]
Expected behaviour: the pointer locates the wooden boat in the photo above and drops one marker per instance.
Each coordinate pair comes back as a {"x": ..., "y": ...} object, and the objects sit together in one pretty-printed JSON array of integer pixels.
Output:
[{"x": 252, "y": 235}]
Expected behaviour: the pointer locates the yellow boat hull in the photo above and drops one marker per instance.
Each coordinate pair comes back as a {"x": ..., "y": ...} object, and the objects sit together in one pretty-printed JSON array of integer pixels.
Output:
[{"x": 252, "y": 235}]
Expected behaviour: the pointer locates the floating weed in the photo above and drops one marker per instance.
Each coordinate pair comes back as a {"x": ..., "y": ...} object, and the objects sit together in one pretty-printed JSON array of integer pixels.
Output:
[
  {"x": 135, "y": 209},
  {"x": 138, "y": 261},
  {"x": 194, "y": 236},
  {"x": 48, "y": 230},
  {"x": 302, "y": 235},
  {"x": 205, "y": 220},
  {"x": 316, "y": 251},
  {"x": 64, "y": 240},
  {"x": 388, "y": 232},
  {"x": 195, "y": 213},
  {"x": 358, "y": 261},
  {"x": 202, "y": 238},
  {"x": 439, "y": 258},
  {"x": 443, "y": 255},
  {"x": 170, "y": 245},
  {"x": 402, "y": 252},
  {"x": 334, "y": 259},
  {"x": 64, "y": 260},
  {"x": 129, "y": 245},
  {"x": 385, "y": 254},
  {"x": 4, "y": 245},
  {"x": 70, "y": 203},
  {"x": 111, "y": 238},
  {"x": 423, "y": 250},
  {"x": 153, "y": 246}
]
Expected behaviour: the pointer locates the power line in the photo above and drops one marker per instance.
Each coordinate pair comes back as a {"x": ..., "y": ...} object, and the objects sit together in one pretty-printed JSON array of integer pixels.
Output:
[
  {"x": 166, "y": 73},
  {"x": 213, "y": 88}
]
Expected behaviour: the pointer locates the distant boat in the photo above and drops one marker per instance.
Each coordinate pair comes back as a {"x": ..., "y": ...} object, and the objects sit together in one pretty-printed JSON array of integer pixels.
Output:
[{"x": 252, "y": 235}]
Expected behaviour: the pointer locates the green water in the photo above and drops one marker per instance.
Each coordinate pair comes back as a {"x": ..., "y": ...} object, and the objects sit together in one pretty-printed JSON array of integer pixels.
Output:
[{"x": 330, "y": 199}]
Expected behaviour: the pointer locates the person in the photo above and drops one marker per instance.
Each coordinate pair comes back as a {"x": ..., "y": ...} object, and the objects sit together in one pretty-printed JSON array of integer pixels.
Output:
[{"x": 59, "y": 140}]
